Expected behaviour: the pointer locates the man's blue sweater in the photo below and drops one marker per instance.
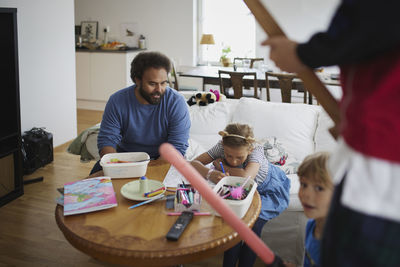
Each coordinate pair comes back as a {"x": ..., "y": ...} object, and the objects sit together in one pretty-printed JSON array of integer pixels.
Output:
[{"x": 135, "y": 127}]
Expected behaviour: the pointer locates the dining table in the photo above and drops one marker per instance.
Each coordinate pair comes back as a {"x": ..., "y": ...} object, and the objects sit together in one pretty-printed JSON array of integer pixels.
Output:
[{"x": 209, "y": 75}]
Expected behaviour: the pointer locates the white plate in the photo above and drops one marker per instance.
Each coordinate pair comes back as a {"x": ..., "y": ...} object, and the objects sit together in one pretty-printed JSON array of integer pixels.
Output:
[{"x": 131, "y": 190}]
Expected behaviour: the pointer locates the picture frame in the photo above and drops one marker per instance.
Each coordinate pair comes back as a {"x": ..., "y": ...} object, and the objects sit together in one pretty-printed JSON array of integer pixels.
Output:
[{"x": 89, "y": 30}]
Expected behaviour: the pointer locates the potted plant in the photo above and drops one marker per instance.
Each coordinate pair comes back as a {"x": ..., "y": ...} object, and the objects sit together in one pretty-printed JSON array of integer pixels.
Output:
[{"x": 224, "y": 57}]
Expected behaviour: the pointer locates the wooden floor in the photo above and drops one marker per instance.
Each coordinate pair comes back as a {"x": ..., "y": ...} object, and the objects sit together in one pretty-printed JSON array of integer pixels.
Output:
[{"x": 29, "y": 235}]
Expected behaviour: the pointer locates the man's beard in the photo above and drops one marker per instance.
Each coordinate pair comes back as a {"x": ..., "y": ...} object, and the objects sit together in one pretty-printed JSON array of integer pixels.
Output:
[{"x": 150, "y": 97}]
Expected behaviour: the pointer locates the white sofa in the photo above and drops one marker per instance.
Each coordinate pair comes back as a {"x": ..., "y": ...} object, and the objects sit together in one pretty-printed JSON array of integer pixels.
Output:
[{"x": 300, "y": 128}]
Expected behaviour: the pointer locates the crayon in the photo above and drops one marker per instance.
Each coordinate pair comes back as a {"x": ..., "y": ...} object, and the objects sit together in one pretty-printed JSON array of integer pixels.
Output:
[
  {"x": 153, "y": 191},
  {"x": 171, "y": 190}
]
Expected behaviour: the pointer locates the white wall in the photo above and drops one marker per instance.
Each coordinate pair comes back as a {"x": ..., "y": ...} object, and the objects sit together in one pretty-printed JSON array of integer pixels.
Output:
[
  {"x": 47, "y": 66},
  {"x": 169, "y": 26},
  {"x": 299, "y": 19}
]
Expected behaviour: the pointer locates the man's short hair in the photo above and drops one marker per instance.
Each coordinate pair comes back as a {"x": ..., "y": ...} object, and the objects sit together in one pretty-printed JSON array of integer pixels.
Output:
[{"x": 146, "y": 60}]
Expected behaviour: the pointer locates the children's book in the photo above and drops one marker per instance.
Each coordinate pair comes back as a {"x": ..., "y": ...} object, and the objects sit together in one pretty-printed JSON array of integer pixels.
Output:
[
  {"x": 89, "y": 195},
  {"x": 60, "y": 198}
]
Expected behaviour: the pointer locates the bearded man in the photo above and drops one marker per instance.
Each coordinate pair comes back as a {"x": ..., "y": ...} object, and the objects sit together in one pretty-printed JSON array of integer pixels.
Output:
[{"x": 141, "y": 117}]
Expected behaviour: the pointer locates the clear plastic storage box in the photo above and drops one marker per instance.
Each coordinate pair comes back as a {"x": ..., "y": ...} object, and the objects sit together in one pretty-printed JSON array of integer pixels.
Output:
[
  {"x": 135, "y": 165},
  {"x": 194, "y": 197}
]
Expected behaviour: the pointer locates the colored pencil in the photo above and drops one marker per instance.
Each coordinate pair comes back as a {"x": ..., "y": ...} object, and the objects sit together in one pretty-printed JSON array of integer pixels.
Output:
[
  {"x": 145, "y": 202},
  {"x": 222, "y": 166}
]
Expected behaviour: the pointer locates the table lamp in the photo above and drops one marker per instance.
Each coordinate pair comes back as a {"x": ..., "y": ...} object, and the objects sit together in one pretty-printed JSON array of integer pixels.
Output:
[{"x": 207, "y": 39}]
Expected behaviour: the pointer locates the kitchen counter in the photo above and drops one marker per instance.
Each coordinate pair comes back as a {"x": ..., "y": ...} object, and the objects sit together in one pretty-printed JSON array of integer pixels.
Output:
[
  {"x": 123, "y": 50},
  {"x": 100, "y": 73}
]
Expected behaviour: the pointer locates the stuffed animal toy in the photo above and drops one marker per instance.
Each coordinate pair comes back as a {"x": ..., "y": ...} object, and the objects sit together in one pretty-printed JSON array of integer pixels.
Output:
[
  {"x": 191, "y": 101},
  {"x": 202, "y": 99},
  {"x": 219, "y": 97}
]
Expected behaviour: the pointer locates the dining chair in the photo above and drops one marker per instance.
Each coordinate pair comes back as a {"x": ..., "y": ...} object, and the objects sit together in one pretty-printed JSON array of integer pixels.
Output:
[
  {"x": 237, "y": 82},
  {"x": 252, "y": 60},
  {"x": 286, "y": 86},
  {"x": 173, "y": 79}
]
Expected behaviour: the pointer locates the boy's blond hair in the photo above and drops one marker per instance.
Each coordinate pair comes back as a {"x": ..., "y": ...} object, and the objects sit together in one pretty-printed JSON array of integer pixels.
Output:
[{"x": 314, "y": 168}]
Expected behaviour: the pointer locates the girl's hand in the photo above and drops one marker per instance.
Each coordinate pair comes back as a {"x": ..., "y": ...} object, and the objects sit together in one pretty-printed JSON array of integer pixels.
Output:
[
  {"x": 216, "y": 176},
  {"x": 216, "y": 163}
]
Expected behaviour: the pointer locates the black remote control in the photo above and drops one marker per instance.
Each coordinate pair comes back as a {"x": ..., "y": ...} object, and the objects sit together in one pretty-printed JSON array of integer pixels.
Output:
[{"x": 179, "y": 226}]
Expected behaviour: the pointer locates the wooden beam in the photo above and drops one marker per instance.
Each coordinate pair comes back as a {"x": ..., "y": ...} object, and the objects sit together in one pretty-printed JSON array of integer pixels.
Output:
[{"x": 312, "y": 83}]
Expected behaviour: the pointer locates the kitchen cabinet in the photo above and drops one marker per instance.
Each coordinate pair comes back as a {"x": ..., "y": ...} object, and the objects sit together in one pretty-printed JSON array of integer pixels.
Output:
[{"x": 101, "y": 73}]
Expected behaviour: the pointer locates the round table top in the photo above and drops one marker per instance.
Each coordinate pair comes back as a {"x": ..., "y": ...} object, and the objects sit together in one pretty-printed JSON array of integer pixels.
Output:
[{"x": 136, "y": 237}]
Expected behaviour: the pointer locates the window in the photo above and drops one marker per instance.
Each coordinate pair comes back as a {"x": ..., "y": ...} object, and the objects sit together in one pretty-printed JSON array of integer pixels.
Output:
[{"x": 231, "y": 24}]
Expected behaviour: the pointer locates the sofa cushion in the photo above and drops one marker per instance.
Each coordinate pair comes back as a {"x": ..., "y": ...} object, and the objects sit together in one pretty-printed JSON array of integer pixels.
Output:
[
  {"x": 294, "y": 124},
  {"x": 294, "y": 201},
  {"x": 323, "y": 139},
  {"x": 208, "y": 120},
  {"x": 194, "y": 149}
]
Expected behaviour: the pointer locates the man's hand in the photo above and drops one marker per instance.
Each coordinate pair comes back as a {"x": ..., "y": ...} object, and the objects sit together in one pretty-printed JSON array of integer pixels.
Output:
[
  {"x": 283, "y": 53},
  {"x": 107, "y": 150}
]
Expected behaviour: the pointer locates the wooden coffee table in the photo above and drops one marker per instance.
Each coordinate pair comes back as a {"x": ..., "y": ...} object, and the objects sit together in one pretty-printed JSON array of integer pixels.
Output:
[{"x": 136, "y": 237}]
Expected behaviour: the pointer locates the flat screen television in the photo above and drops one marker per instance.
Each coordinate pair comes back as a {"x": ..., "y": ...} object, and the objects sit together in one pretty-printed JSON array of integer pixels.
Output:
[
  {"x": 9, "y": 81},
  {"x": 11, "y": 182}
]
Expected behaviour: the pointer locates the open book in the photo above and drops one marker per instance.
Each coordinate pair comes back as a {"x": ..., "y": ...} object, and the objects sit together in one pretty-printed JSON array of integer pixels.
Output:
[{"x": 89, "y": 195}]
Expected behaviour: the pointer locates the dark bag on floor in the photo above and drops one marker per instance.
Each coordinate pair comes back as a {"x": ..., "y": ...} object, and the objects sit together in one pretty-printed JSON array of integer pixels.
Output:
[{"x": 37, "y": 149}]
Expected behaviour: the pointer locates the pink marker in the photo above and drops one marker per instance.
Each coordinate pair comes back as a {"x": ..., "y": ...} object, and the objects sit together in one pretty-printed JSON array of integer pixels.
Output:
[
  {"x": 184, "y": 198},
  {"x": 194, "y": 213}
]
